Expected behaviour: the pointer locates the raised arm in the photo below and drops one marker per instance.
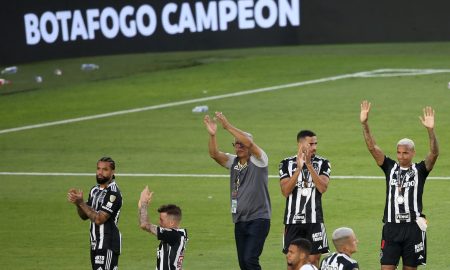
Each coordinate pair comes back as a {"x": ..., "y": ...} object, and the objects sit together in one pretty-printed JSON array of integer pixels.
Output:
[
  {"x": 373, "y": 148},
  {"x": 239, "y": 135},
  {"x": 85, "y": 211},
  {"x": 144, "y": 222},
  {"x": 214, "y": 152},
  {"x": 428, "y": 122}
]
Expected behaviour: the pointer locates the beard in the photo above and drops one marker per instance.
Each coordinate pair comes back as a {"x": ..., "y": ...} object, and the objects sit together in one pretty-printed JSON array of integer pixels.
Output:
[{"x": 102, "y": 180}]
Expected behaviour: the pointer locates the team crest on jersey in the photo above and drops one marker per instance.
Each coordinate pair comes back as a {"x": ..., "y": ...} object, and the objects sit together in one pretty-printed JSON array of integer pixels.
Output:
[
  {"x": 112, "y": 198},
  {"x": 315, "y": 166}
]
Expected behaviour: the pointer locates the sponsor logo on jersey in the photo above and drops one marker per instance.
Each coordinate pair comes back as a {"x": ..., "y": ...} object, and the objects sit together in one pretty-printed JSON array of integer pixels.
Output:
[
  {"x": 402, "y": 216},
  {"x": 317, "y": 236},
  {"x": 299, "y": 217},
  {"x": 99, "y": 259},
  {"x": 418, "y": 247}
]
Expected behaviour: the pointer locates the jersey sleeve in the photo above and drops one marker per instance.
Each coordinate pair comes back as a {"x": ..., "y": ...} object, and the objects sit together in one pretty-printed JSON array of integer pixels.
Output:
[
  {"x": 353, "y": 266},
  {"x": 112, "y": 202},
  {"x": 283, "y": 169},
  {"x": 387, "y": 165},
  {"x": 325, "y": 169},
  {"x": 169, "y": 236},
  {"x": 262, "y": 161},
  {"x": 422, "y": 169},
  {"x": 230, "y": 160}
]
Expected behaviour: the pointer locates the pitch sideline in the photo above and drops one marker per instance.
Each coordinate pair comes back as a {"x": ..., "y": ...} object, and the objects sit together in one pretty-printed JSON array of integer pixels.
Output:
[{"x": 174, "y": 175}]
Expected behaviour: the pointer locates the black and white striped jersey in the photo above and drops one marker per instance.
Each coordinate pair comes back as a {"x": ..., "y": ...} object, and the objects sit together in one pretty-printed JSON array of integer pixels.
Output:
[
  {"x": 109, "y": 200},
  {"x": 404, "y": 193},
  {"x": 338, "y": 261},
  {"x": 171, "y": 248},
  {"x": 304, "y": 204}
]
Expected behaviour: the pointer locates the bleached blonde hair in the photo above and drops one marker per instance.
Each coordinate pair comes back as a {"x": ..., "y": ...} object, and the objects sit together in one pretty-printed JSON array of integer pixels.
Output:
[{"x": 406, "y": 142}]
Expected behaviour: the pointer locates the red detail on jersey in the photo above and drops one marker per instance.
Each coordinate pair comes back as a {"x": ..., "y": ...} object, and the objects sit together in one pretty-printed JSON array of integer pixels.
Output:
[{"x": 382, "y": 244}]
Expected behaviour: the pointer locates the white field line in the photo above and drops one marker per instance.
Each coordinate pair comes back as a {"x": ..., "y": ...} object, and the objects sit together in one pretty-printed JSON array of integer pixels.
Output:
[
  {"x": 363, "y": 74},
  {"x": 174, "y": 175},
  {"x": 178, "y": 103}
]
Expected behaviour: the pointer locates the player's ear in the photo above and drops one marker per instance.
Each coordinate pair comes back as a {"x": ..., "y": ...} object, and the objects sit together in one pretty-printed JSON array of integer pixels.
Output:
[{"x": 303, "y": 256}]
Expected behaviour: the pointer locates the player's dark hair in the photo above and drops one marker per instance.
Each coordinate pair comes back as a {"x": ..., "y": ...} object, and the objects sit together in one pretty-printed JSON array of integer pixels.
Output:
[
  {"x": 111, "y": 162},
  {"x": 171, "y": 210},
  {"x": 302, "y": 244},
  {"x": 305, "y": 133}
]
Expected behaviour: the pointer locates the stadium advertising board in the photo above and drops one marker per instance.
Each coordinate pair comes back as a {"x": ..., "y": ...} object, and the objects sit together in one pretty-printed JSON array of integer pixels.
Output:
[
  {"x": 76, "y": 29},
  {"x": 46, "y": 29}
]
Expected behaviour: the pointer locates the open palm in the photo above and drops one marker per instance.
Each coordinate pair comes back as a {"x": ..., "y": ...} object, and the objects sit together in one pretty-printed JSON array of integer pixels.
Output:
[
  {"x": 428, "y": 117},
  {"x": 211, "y": 125},
  {"x": 365, "y": 109}
]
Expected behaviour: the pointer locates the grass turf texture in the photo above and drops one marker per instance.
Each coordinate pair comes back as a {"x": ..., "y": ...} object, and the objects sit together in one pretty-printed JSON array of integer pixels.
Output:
[{"x": 39, "y": 230}]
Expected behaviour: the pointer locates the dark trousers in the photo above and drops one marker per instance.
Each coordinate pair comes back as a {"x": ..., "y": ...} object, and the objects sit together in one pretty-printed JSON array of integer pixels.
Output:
[{"x": 250, "y": 237}]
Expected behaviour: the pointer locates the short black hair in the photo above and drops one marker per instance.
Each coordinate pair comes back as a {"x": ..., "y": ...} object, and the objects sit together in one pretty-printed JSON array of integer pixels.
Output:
[
  {"x": 112, "y": 163},
  {"x": 171, "y": 210},
  {"x": 302, "y": 244},
  {"x": 305, "y": 133}
]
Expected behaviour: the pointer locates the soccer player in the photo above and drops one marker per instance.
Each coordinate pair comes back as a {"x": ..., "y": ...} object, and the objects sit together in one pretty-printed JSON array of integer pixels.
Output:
[
  {"x": 249, "y": 194},
  {"x": 298, "y": 253},
  {"x": 404, "y": 230},
  {"x": 345, "y": 242},
  {"x": 303, "y": 179},
  {"x": 173, "y": 239},
  {"x": 103, "y": 210}
]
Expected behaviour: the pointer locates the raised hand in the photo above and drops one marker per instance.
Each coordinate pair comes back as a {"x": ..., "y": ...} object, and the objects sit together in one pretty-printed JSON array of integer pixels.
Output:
[
  {"x": 222, "y": 119},
  {"x": 300, "y": 157},
  {"x": 308, "y": 154},
  {"x": 365, "y": 109},
  {"x": 146, "y": 197},
  {"x": 210, "y": 124},
  {"x": 428, "y": 117}
]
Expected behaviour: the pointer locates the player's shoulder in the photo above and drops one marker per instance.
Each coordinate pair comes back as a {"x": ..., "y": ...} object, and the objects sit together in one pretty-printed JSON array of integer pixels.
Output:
[
  {"x": 289, "y": 159},
  {"x": 113, "y": 187},
  {"x": 308, "y": 267},
  {"x": 348, "y": 260},
  {"x": 319, "y": 157}
]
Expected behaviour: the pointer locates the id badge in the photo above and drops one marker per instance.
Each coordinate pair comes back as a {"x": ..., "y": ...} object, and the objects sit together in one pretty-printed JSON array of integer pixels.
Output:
[{"x": 233, "y": 206}]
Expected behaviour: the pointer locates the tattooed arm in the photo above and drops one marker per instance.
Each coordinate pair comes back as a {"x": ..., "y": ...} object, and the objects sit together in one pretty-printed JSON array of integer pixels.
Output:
[
  {"x": 144, "y": 201},
  {"x": 428, "y": 122},
  {"x": 373, "y": 148},
  {"x": 85, "y": 211}
]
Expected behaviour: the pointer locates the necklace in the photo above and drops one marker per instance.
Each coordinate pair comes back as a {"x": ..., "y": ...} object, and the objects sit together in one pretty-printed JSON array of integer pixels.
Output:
[{"x": 400, "y": 181}]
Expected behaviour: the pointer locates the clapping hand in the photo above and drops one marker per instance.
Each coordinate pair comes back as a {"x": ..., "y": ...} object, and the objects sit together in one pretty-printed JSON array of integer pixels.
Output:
[{"x": 75, "y": 195}]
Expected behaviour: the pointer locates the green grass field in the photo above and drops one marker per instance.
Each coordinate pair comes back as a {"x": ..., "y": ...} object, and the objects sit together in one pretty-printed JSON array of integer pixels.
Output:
[{"x": 40, "y": 230}]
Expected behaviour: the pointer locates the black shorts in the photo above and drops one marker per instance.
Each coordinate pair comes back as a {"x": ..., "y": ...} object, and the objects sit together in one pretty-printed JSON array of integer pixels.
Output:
[
  {"x": 404, "y": 240},
  {"x": 104, "y": 258},
  {"x": 314, "y": 232}
]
